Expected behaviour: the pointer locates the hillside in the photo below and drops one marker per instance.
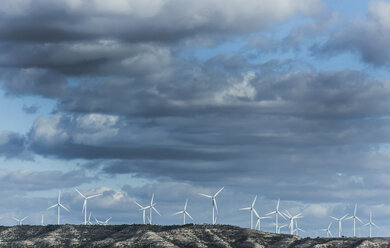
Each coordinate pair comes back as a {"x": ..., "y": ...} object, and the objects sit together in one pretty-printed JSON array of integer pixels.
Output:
[{"x": 164, "y": 236}]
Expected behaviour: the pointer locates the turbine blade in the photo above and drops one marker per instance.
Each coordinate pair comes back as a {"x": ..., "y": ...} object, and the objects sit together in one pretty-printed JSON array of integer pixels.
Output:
[
  {"x": 277, "y": 205},
  {"x": 219, "y": 191},
  {"x": 139, "y": 205},
  {"x": 257, "y": 215},
  {"x": 273, "y": 212},
  {"x": 156, "y": 210},
  {"x": 79, "y": 193},
  {"x": 342, "y": 218},
  {"x": 55, "y": 205},
  {"x": 16, "y": 219},
  {"x": 334, "y": 218},
  {"x": 93, "y": 196},
  {"x": 151, "y": 201},
  {"x": 254, "y": 201},
  {"x": 84, "y": 205},
  {"x": 245, "y": 208},
  {"x": 208, "y": 196},
  {"x": 375, "y": 225},
  {"x": 185, "y": 205},
  {"x": 189, "y": 215},
  {"x": 180, "y": 212},
  {"x": 64, "y": 207},
  {"x": 215, "y": 204},
  {"x": 24, "y": 218},
  {"x": 359, "y": 219}
]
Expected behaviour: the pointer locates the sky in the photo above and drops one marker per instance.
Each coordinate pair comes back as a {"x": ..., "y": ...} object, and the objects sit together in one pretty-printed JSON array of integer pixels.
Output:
[{"x": 279, "y": 99}]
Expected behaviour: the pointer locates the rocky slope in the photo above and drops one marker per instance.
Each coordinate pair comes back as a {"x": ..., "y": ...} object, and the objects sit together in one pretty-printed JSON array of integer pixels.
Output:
[{"x": 165, "y": 236}]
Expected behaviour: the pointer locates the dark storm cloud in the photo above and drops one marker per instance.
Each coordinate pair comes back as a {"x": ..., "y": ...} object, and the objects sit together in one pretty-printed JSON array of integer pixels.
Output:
[
  {"x": 48, "y": 21},
  {"x": 12, "y": 145},
  {"x": 368, "y": 37}
]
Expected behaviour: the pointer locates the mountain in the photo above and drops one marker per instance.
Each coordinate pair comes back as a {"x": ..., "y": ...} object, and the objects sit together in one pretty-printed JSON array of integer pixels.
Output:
[{"x": 166, "y": 236}]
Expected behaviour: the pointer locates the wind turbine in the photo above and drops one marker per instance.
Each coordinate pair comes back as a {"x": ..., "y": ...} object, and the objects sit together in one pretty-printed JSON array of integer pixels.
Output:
[
  {"x": 89, "y": 219},
  {"x": 103, "y": 223},
  {"x": 277, "y": 212},
  {"x": 20, "y": 221},
  {"x": 59, "y": 206},
  {"x": 151, "y": 208},
  {"x": 143, "y": 211},
  {"x": 259, "y": 218},
  {"x": 354, "y": 217},
  {"x": 213, "y": 202},
  {"x": 253, "y": 210},
  {"x": 327, "y": 230},
  {"x": 370, "y": 223},
  {"x": 184, "y": 212},
  {"x": 339, "y": 220},
  {"x": 85, "y": 203},
  {"x": 292, "y": 218}
]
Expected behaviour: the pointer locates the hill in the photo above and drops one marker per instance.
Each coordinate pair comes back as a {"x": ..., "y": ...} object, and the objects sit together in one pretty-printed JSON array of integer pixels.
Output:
[{"x": 165, "y": 236}]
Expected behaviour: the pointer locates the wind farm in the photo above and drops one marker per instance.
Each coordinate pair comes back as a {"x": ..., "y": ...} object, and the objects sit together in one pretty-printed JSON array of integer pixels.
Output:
[{"x": 205, "y": 123}]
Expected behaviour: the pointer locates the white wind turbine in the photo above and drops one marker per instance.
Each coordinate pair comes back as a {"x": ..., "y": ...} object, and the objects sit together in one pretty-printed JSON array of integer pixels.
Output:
[
  {"x": 277, "y": 213},
  {"x": 85, "y": 203},
  {"x": 339, "y": 220},
  {"x": 151, "y": 208},
  {"x": 327, "y": 230},
  {"x": 103, "y": 223},
  {"x": 370, "y": 223},
  {"x": 184, "y": 212},
  {"x": 354, "y": 217},
  {"x": 143, "y": 211},
  {"x": 59, "y": 206},
  {"x": 292, "y": 218},
  {"x": 259, "y": 218},
  {"x": 213, "y": 202},
  {"x": 253, "y": 211},
  {"x": 20, "y": 221}
]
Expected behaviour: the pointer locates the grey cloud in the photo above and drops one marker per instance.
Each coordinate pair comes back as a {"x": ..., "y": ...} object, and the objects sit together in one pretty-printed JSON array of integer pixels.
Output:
[
  {"x": 22, "y": 182},
  {"x": 12, "y": 145},
  {"x": 32, "y": 109},
  {"x": 45, "y": 21},
  {"x": 366, "y": 37}
]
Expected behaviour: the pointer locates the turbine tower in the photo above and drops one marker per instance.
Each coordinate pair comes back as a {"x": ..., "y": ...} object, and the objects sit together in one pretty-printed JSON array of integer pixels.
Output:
[
  {"x": 214, "y": 203},
  {"x": 370, "y": 223},
  {"x": 253, "y": 210},
  {"x": 292, "y": 218},
  {"x": 59, "y": 206},
  {"x": 354, "y": 217},
  {"x": 277, "y": 213},
  {"x": 85, "y": 203},
  {"x": 20, "y": 221},
  {"x": 327, "y": 230},
  {"x": 339, "y": 220},
  {"x": 184, "y": 212},
  {"x": 42, "y": 223}
]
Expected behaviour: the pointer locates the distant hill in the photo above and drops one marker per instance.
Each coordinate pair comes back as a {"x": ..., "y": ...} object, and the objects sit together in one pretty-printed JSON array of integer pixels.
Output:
[{"x": 147, "y": 236}]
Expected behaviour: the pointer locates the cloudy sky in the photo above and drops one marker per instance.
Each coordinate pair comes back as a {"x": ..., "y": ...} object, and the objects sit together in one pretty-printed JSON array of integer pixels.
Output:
[{"x": 280, "y": 99}]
